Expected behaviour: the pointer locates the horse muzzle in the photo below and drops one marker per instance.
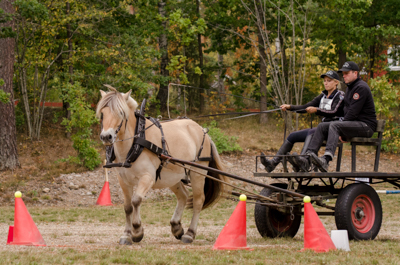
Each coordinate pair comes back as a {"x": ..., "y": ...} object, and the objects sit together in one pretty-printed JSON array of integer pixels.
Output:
[{"x": 107, "y": 138}]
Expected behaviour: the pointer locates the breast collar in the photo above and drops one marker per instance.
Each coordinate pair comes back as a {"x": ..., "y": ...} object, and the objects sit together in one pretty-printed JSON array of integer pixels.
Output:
[{"x": 139, "y": 142}]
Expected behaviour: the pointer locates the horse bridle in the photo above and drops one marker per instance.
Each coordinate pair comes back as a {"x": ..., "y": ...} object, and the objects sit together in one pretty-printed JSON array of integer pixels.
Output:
[{"x": 118, "y": 128}]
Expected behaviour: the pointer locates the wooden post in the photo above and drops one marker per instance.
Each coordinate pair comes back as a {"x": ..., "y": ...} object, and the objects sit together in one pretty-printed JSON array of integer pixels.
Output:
[{"x": 106, "y": 169}]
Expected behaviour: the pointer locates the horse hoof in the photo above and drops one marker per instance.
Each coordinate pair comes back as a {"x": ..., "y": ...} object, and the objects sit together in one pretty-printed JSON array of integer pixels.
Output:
[
  {"x": 137, "y": 235},
  {"x": 124, "y": 240},
  {"x": 179, "y": 235},
  {"x": 137, "y": 238},
  {"x": 177, "y": 231},
  {"x": 187, "y": 239}
]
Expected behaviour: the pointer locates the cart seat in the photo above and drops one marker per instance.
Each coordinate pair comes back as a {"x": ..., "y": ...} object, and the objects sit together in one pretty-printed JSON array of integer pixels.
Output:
[{"x": 374, "y": 141}]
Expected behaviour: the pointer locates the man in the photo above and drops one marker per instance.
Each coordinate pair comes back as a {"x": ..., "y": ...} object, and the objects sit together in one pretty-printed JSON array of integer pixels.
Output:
[{"x": 359, "y": 121}]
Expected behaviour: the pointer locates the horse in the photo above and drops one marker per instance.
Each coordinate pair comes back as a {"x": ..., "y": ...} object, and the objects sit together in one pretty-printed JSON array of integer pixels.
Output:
[{"x": 184, "y": 138}]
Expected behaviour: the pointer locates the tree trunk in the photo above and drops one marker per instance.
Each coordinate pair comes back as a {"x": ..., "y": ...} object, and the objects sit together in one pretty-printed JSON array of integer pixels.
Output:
[
  {"x": 66, "y": 105},
  {"x": 201, "y": 91},
  {"x": 162, "y": 95},
  {"x": 8, "y": 138},
  {"x": 221, "y": 87},
  {"x": 263, "y": 67},
  {"x": 342, "y": 60},
  {"x": 372, "y": 51}
]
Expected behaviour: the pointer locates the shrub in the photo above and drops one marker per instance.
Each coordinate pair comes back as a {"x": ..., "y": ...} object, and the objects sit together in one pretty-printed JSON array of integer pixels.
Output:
[
  {"x": 223, "y": 142},
  {"x": 387, "y": 97},
  {"x": 82, "y": 118}
]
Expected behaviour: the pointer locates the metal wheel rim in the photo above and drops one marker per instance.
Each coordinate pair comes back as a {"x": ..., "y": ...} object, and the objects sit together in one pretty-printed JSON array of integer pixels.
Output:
[
  {"x": 280, "y": 221},
  {"x": 363, "y": 213}
]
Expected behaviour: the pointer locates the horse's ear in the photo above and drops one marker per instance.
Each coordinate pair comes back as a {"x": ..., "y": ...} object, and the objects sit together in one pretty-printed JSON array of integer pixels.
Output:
[
  {"x": 102, "y": 93},
  {"x": 127, "y": 95}
]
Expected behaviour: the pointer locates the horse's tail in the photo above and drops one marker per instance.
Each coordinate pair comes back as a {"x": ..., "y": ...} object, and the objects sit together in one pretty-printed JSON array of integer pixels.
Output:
[{"x": 213, "y": 190}]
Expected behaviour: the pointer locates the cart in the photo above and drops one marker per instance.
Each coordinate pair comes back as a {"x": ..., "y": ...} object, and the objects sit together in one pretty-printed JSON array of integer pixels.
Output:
[
  {"x": 278, "y": 208},
  {"x": 357, "y": 209}
]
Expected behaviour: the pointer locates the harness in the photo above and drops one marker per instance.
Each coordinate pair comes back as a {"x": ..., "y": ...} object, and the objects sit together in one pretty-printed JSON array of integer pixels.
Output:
[{"x": 140, "y": 142}]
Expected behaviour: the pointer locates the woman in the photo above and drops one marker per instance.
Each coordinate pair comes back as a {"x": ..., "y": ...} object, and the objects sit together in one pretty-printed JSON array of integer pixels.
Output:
[{"x": 328, "y": 104}]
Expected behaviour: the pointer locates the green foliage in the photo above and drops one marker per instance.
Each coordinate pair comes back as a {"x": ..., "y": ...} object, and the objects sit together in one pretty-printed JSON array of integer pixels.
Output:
[
  {"x": 32, "y": 10},
  {"x": 387, "y": 98},
  {"x": 5, "y": 32},
  {"x": 4, "y": 97},
  {"x": 82, "y": 118},
  {"x": 184, "y": 30},
  {"x": 223, "y": 142},
  {"x": 20, "y": 120}
]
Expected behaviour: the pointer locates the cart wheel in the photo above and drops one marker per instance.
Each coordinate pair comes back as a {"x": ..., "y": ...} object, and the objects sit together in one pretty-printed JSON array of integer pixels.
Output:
[
  {"x": 272, "y": 223},
  {"x": 358, "y": 210}
]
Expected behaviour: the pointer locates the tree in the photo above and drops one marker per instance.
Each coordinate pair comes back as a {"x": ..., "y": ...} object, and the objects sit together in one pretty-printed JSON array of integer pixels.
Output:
[
  {"x": 284, "y": 29},
  {"x": 342, "y": 22},
  {"x": 8, "y": 139},
  {"x": 163, "y": 44}
]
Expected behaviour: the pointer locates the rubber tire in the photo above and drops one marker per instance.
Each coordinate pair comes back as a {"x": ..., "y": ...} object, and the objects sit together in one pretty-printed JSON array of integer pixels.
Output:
[
  {"x": 344, "y": 215},
  {"x": 266, "y": 218}
]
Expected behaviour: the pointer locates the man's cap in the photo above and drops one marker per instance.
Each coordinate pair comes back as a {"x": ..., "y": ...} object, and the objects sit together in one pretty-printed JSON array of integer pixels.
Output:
[
  {"x": 349, "y": 66},
  {"x": 331, "y": 74}
]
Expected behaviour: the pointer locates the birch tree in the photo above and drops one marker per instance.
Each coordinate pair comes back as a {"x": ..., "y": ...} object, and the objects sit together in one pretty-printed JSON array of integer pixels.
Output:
[{"x": 283, "y": 37}]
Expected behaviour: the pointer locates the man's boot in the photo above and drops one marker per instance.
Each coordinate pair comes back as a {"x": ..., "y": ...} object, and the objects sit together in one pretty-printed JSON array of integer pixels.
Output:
[
  {"x": 270, "y": 164},
  {"x": 292, "y": 161},
  {"x": 303, "y": 162},
  {"x": 320, "y": 162}
]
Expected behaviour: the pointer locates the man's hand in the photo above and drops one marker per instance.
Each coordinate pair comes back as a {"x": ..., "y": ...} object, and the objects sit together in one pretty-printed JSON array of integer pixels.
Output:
[
  {"x": 311, "y": 110},
  {"x": 285, "y": 107},
  {"x": 340, "y": 139}
]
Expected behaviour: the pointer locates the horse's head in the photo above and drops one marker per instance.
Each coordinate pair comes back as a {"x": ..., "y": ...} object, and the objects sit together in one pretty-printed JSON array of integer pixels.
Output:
[{"x": 113, "y": 109}]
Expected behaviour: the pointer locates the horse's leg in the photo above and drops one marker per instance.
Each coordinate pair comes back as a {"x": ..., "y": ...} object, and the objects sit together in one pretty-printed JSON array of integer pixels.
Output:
[
  {"x": 144, "y": 185},
  {"x": 198, "y": 201},
  {"x": 181, "y": 195},
  {"x": 126, "y": 238}
]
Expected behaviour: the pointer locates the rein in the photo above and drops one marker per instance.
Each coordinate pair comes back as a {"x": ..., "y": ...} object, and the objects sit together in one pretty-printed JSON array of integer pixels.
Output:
[{"x": 239, "y": 113}]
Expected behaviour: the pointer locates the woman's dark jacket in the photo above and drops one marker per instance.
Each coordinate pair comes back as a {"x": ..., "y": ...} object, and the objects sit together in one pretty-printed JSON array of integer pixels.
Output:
[{"x": 337, "y": 106}]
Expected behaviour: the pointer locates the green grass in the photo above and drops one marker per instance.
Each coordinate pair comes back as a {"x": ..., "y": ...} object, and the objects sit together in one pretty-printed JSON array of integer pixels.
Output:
[
  {"x": 383, "y": 250},
  {"x": 279, "y": 251}
]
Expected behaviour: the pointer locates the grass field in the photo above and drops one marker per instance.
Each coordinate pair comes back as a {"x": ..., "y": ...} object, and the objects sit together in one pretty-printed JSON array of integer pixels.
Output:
[{"x": 90, "y": 236}]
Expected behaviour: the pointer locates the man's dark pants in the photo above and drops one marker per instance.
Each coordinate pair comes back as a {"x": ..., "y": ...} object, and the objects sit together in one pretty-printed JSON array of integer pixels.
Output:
[{"x": 331, "y": 131}]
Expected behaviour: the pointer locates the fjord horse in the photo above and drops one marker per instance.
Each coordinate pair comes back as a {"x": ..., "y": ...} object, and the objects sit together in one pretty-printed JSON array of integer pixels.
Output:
[{"x": 184, "y": 139}]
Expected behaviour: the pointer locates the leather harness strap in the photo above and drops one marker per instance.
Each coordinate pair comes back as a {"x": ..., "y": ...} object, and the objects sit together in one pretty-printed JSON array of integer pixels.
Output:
[{"x": 140, "y": 142}]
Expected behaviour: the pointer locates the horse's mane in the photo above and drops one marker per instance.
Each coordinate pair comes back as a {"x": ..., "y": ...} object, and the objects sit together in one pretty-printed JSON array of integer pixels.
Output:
[{"x": 119, "y": 107}]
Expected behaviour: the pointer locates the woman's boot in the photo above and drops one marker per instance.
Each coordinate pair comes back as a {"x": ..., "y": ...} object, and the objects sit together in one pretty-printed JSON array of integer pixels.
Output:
[
  {"x": 292, "y": 161},
  {"x": 270, "y": 164}
]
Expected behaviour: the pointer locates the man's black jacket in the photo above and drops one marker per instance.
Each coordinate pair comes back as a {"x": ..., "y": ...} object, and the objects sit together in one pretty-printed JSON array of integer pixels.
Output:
[{"x": 359, "y": 104}]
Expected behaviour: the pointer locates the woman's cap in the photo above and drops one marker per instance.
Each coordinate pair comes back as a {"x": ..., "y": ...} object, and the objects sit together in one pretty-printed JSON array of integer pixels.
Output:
[
  {"x": 349, "y": 66},
  {"x": 331, "y": 74}
]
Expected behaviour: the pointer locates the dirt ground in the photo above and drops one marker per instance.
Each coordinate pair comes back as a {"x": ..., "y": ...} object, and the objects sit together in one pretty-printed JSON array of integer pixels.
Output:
[{"x": 83, "y": 189}]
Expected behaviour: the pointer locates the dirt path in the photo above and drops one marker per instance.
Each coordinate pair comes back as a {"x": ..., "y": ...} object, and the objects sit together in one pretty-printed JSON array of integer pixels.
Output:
[{"x": 83, "y": 189}]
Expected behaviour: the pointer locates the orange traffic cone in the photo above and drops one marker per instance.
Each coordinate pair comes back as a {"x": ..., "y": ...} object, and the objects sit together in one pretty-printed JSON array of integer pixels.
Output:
[
  {"x": 315, "y": 235},
  {"x": 25, "y": 231},
  {"x": 10, "y": 234},
  {"x": 233, "y": 235},
  {"x": 105, "y": 196}
]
